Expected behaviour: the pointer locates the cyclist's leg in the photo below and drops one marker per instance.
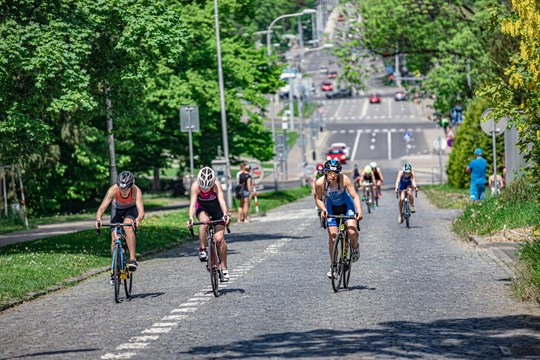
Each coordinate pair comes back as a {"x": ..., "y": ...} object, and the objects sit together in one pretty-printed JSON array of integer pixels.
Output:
[
  {"x": 411, "y": 197},
  {"x": 202, "y": 215},
  {"x": 401, "y": 200},
  {"x": 372, "y": 189},
  {"x": 219, "y": 235},
  {"x": 116, "y": 216},
  {"x": 331, "y": 225},
  {"x": 130, "y": 216}
]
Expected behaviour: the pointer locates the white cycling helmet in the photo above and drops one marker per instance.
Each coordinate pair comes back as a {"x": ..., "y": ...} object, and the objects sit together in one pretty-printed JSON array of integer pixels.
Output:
[
  {"x": 206, "y": 178},
  {"x": 373, "y": 164}
]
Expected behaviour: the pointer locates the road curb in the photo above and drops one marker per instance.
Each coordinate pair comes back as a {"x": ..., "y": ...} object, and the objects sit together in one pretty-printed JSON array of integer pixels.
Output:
[{"x": 479, "y": 241}]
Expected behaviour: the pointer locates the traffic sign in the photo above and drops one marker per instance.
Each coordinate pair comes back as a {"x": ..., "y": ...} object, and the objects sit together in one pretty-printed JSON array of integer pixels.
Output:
[
  {"x": 257, "y": 172},
  {"x": 439, "y": 144},
  {"x": 407, "y": 136},
  {"x": 189, "y": 118},
  {"x": 489, "y": 126}
]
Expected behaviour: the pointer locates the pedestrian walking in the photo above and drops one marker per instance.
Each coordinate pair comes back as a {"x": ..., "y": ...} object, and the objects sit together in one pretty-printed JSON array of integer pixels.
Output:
[
  {"x": 245, "y": 182},
  {"x": 477, "y": 168}
]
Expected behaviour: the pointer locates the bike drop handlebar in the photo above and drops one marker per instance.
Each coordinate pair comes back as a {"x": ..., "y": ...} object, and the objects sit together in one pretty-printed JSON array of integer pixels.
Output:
[
  {"x": 399, "y": 191},
  {"x": 344, "y": 217},
  {"x": 98, "y": 230},
  {"x": 209, "y": 222}
]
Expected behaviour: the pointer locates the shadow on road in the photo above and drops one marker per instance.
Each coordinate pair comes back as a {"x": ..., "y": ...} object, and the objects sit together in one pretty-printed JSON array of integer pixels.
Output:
[{"x": 470, "y": 338}]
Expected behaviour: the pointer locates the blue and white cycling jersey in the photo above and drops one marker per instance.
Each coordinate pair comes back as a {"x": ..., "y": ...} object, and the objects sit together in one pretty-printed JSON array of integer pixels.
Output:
[{"x": 338, "y": 202}]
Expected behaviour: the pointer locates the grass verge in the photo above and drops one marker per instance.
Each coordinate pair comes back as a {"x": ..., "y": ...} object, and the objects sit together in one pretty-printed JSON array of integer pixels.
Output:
[
  {"x": 37, "y": 267},
  {"x": 446, "y": 197},
  {"x": 526, "y": 285}
]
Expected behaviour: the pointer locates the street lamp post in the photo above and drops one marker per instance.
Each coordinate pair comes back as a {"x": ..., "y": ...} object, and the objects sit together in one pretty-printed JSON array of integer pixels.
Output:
[
  {"x": 223, "y": 110},
  {"x": 269, "y": 29}
]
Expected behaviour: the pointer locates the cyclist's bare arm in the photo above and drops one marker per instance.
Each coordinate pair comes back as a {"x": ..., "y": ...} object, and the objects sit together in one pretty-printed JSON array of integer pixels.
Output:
[
  {"x": 413, "y": 181},
  {"x": 105, "y": 204},
  {"x": 399, "y": 174},
  {"x": 319, "y": 188},
  {"x": 139, "y": 204},
  {"x": 192, "y": 202},
  {"x": 347, "y": 184},
  {"x": 380, "y": 175}
]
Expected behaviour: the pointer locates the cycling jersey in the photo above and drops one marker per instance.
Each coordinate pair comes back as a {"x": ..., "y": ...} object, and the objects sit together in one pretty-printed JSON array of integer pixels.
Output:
[
  {"x": 338, "y": 201},
  {"x": 121, "y": 202},
  {"x": 123, "y": 207},
  {"x": 405, "y": 182},
  {"x": 376, "y": 173},
  {"x": 208, "y": 202}
]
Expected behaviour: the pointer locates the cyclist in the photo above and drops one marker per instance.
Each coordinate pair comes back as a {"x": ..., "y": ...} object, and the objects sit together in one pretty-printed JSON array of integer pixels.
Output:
[
  {"x": 367, "y": 176},
  {"x": 127, "y": 207},
  {"x": 406, "y": 180},
  {"x": 356, "y": 177},
  {"x": 378, "y": 176},
  {"x": 341, "y": 199},
  {"x": 207, "y": 202}
]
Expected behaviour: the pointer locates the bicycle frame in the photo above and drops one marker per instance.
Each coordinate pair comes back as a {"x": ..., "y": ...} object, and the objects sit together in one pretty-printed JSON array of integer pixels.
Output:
[
  {"x": 119, "y": 268},
  {"x": 213, "y": 264},
  {"x": 342, "y": 253},
  {"x": 406, "y": 207}
]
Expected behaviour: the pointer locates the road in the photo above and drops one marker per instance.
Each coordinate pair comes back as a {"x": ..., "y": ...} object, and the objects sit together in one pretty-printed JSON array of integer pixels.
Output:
[{"x": 415, "y": 293}]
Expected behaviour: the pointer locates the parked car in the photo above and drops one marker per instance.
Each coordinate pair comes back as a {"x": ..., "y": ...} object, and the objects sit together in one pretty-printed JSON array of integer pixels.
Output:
[
  {"x": 338, "y": 154},
  {"x": 339, "y": 93},
  {"x": 400, "y": 95},
  {"x": 340, "y": 18},
  {"x": 344, "y": 147},
  {"x": 284, "y": 92},
  {"x": 323, "y": 69},
  {"x": 327, "y": 86},
  {"x": 374, "y": 99},
  {"x": 332, "y": 74}
]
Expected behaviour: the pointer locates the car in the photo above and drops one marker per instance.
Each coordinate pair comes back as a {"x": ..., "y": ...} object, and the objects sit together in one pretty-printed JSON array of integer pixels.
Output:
[
  {"x": 284, "y": 92},
  {"x": 344, "y": 147},
  {"x": 338, "y": 154},
  {"x": 340, "y": 18},
  {"x": 288, "y": 73},
  {"x": 339, "y": 93},
  {"x": 323, "y": 69},
  {"x": 374, "y": 99},
  {"x": 400, "y": 95},
  {"x": 327, "y": 86},
  {"x": 332, "y": 74}
]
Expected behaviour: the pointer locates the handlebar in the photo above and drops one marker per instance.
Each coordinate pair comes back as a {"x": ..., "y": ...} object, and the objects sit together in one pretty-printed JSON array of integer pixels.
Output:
[
  {"x": 209, "y": 222},
  {"x": 342, "y": 217},
  {"x": 400, "y": 191},
  {"x": 98, "y": 230}
]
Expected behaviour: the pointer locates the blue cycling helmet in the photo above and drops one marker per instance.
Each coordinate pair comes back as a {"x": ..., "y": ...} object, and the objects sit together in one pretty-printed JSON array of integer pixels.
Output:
[{"x": 332, "y": 165}]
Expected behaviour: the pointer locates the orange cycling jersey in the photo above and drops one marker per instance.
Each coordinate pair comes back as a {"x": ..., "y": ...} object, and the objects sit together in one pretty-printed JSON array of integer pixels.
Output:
[{"x": 124, "y": 202}]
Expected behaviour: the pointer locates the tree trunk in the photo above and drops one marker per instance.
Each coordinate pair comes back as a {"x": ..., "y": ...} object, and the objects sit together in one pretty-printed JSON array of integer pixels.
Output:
[
  {"x": 156, "y": 182},
  {"x": 112, "y": 154}
]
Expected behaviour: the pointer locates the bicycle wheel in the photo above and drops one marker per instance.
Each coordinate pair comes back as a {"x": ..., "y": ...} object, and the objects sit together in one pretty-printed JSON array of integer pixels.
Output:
[
  {"x": 406, "y": 213},
  {"x": 128, "y": 277},
  {"x": 337, "y": 263},
  {"x": 347, "y": 261},
  {"x": 377, "y": 197},
  {"x": 368, "y": 204},
  {"x": 116, "y": 272},
  {"x": 213, "y": 266}
]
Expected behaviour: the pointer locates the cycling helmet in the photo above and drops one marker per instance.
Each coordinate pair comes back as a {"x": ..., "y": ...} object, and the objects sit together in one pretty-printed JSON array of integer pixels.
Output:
[
  {"x": 407, "y": 167},
  {"x": 206, "y": 178},
  {"x": 373, "y": 165},
  {"x": 368, "y": 169},
  {"x": 320, "y": 167},
  {"x": 125, "y": 180},
  {"x": 332, "y": 165}
]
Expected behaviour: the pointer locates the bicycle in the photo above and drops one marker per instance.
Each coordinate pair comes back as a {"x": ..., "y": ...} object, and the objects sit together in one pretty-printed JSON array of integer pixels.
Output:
[
  {"x": 342, "y": 253},
  {"x": 406, "y": 209},
  {"x": 368, "y": 200},
  {"x": 213, "y": 264},
  {"x": 119, "y": 265}
]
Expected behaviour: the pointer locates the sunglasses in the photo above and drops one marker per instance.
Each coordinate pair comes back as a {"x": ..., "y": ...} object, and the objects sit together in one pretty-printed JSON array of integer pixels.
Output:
[{"x": 332, "y": 173}]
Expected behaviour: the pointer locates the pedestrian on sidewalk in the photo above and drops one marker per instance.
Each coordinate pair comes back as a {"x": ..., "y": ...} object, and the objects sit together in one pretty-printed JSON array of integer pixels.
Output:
[
  {"x": 477, "y": 168},
  {"x": 499, "y": 182},
  {"x": 245, "y": 182}
]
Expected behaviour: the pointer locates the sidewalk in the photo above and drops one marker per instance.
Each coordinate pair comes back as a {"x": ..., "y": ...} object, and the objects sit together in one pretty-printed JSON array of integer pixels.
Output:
[{"x": 62, "y": 228}]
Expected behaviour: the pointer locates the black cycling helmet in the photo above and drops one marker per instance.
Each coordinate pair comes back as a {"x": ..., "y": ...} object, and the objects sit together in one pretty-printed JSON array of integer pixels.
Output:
[
  {"x": 332, "y": 165},
  {"x": 125, "y": 180}
]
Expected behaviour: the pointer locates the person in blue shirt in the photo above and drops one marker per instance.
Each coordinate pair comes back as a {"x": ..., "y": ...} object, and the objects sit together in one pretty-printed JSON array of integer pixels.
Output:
[{"x": 477, "y": 169}]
